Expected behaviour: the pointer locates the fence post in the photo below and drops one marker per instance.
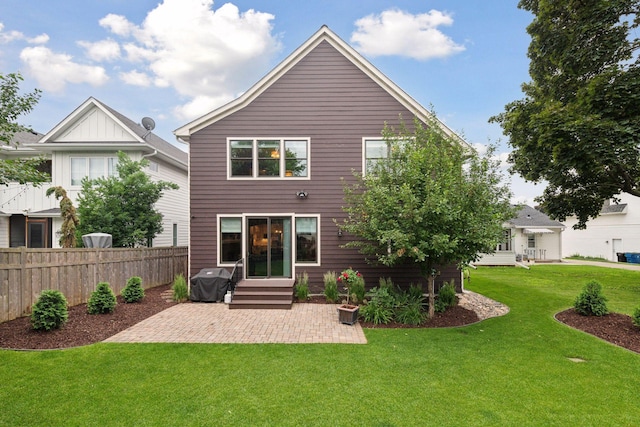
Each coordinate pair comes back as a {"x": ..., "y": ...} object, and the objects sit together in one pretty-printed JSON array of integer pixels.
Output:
[{"x": 23, "y": 276}]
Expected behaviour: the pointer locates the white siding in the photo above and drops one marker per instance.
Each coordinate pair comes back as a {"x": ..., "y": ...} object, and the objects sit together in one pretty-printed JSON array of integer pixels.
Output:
[
  {"x": 498, "y": 258},
  {"x": 93, "y": 126},
  {"x": 18, "y": 198},
  {"x": 4, "y": 232},
  {"x": 597, "y": 239},
  {"x": 174, "y": 204}
]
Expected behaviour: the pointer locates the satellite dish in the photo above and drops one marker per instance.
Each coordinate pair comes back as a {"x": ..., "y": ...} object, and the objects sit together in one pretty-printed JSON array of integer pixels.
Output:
[{"x": 148, "y": 123}]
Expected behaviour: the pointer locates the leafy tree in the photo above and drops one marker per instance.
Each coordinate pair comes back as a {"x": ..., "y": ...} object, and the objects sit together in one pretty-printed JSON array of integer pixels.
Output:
[
  {"x": 69, "y": 218},
  {"x": 12, "y": 106},
  {"x": 432, "y": 202},
  {"x": 578, "y": 126},
  {"x": 123, "y": 205}
]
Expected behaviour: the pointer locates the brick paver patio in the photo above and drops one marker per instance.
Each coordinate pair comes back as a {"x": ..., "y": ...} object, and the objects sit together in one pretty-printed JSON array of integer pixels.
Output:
[{"x": 215, "y": 323}]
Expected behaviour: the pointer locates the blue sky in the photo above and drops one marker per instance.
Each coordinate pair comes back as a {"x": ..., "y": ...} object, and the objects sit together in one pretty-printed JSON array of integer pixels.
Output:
[{"x": 174, "y": 60}]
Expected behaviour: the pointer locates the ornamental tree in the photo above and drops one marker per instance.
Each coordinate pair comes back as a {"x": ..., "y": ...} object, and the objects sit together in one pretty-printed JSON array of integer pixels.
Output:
[
  {"x": 12, "y": 106},
  {"x": 433, "y": 201},
  {"x": 578, "y": 126},
  {"x": 123, "y": 205},
  {"x": 69, "y": 218}
]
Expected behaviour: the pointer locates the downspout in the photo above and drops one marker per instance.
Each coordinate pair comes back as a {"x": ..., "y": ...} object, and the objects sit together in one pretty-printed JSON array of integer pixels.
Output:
[{"x": 150, "y": 154}]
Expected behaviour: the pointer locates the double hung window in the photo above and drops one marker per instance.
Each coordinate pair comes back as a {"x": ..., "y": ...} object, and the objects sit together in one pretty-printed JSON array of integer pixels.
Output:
[{"x": 375, "y": 151}]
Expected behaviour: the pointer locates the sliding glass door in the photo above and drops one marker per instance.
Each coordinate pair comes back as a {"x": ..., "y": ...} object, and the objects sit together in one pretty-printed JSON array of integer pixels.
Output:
[{"x": 269, "y": 247}]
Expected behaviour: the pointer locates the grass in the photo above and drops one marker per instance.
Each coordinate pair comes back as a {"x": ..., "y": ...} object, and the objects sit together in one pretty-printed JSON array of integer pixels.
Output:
[
  {"x": 588, "y": 258},
  {"x": 512, "y": 370}
]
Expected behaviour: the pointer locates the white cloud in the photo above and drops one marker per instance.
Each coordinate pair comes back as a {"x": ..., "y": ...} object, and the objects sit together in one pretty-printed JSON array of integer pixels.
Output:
[
  {"x": 117, "y": 24},
  {"x": 204, "y": 54},
  {"x": 395, "y": 32},
  {"x": 104, "y": 50},
  {"x": 136, "y": 78},
  {"x": 199, "y": 106},
  {"x": 41, "y": 39},
  {"x": 53, "y": 70},
  {"x": 8, "y": 37}
]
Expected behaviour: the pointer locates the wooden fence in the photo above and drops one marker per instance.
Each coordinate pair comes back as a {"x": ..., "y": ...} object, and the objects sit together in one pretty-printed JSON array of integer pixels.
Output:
[{"x": 25, "y": 273}]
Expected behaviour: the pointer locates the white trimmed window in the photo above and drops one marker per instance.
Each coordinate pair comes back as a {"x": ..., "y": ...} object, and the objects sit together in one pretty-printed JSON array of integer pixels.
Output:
[
  {"x": 375, "y": 150},
  {"x": 307, "y": 240},
  {"x": 92, "y": 168},
  {"x": 268, "y": 158},
  {"x": 230, "y": 239},
  {"x": 505, "y": 245}
]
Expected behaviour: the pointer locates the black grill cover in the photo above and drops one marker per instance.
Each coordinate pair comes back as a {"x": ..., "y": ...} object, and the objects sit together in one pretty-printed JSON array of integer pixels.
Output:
[{"x": 210, "y": 285}]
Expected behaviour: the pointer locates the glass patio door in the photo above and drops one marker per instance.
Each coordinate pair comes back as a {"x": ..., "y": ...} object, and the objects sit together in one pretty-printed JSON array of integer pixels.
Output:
[{"x": 269, "y": 247}]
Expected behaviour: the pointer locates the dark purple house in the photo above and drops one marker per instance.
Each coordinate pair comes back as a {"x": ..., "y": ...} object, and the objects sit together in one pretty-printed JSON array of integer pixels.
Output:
[{"x": 266, "y": 170}]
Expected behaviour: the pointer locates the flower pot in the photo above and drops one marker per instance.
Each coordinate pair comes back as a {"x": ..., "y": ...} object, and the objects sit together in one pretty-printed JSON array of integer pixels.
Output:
[{"x": 348, "y": 314}]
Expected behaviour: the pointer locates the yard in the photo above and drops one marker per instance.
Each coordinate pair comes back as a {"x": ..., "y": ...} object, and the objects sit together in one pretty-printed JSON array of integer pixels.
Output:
[{"x": 512, "y": 370}]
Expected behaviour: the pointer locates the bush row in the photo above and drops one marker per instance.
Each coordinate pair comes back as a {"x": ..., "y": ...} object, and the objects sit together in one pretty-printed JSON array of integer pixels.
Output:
[{"x": 51, "y": 311}]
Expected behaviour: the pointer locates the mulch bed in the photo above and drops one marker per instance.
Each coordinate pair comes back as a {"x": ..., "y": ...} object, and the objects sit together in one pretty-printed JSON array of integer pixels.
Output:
[
  {"x": 454, "y": 316},
  {"x": 615, "y": 328},
  {"x": 83, "y": 328}
]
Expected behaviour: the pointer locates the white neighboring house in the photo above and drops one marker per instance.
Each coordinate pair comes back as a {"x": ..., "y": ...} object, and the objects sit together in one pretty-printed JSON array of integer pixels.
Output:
[
  {"x": 86, "y": 143},
  {"x": 530, "y": 236},
  {"x": 616, "y": 230}
]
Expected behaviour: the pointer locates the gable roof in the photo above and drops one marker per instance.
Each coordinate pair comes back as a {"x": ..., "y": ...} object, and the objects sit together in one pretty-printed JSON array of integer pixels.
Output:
[
  {"x": 133, "y": 137},
  {"x": 529, "y": 217},
  {"x": 324, "y": 34}
]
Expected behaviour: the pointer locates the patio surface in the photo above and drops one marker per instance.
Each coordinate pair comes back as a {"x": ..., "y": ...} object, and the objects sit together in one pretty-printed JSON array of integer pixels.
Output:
[{"x": 215, "y": 323}]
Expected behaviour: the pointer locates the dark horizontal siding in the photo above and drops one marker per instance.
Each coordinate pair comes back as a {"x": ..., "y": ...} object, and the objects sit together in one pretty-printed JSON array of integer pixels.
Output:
[{"x": 323, "y": 97}]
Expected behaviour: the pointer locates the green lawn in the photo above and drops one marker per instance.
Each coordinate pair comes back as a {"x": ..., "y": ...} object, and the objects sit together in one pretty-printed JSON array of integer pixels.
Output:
[{"x": 512, "y": 370}]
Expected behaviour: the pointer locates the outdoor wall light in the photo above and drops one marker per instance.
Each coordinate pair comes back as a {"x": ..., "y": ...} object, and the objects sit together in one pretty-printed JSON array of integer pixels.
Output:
[
  {"x": 339, "y": 232},
  {"x": 302, "y": 194}
]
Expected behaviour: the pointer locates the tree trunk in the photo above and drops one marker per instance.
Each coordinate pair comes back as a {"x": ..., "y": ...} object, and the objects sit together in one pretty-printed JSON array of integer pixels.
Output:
[{"x": 431, "y": 279}]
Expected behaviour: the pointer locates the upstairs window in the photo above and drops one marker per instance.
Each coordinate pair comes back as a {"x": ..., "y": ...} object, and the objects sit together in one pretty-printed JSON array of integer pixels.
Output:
[
  {"x": 375, "y": 151},
  {"x": 92, "y": 168},
  {"x": 269, "y": 158}
]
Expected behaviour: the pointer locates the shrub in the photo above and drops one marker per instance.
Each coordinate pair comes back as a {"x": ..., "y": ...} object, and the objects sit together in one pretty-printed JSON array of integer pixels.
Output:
[
  {"x": 411, "y": 313},
  {"x": 179, "y": 288},
  {"x": 446, "y": 297},
  {"x": 133, "y": 292},
  {"x": 387, "y": 283},
  {"x": 636, "y": 317},
  {"x": 591, "y": 301},
  {"x": 302, "y": 286},
  {"x": 50, "y": 311},
  {"x": 415, "y": 292},
  {"x": 102, "y": 300},
  {"x": 410, "y": 306},
  {"x": 331, "y": 287},
  {"x": 380, "y": 307}
]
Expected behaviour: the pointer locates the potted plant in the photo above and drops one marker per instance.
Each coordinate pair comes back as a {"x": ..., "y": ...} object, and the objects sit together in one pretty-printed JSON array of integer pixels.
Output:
[{"x": 353, "y": 283}]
